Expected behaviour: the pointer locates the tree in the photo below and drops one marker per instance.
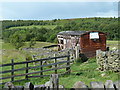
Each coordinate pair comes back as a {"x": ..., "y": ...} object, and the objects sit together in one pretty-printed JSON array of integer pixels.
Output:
[
  {"x": 17, "y": 39},
  {"x": 32, "y": 43}
]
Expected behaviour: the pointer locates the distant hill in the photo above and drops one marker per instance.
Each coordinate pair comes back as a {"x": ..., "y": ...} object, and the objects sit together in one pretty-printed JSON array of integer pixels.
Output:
[{"x": 46, "y": 30}]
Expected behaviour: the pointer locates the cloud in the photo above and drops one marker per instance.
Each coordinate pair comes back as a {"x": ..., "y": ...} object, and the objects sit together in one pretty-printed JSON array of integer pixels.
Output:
[
  {"x": 110, "y": 13},
  {"x": 41, "y": 10},
  {"x": 59, "y": 0}
]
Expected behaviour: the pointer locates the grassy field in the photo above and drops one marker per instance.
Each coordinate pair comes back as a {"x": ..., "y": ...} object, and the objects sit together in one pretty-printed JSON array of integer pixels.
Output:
[
  {"x": 9, "y": 52},
  {"x": 85, "y": 72},
  {"x": 112, "y": 44},
  {"x": 34, "y": 26}
]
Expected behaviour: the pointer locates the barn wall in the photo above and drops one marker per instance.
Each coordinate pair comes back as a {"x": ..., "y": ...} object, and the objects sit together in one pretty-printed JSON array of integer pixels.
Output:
[
  {"x": 89, "y": 47},
  {"x": 68, "y": 41}
]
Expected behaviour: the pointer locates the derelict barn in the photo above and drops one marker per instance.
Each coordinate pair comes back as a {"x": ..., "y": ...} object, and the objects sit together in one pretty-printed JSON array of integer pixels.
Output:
[{"x": 88, "y": 41}]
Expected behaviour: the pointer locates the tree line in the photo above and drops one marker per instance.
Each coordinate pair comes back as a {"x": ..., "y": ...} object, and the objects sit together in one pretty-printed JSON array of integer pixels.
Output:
[{"x": 21, "y": 35}]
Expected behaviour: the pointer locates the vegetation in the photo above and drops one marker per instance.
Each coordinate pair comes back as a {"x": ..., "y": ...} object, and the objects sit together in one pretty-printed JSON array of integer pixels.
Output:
[
  {"x": 112, "y": 44},
  {"x": 9, "y": 52},
  {"x": 46, "y": 31},
  {"x": 18, "y": 34},
  {"x": 85, "y": 72},
  {"x": 32, "y": 43}
]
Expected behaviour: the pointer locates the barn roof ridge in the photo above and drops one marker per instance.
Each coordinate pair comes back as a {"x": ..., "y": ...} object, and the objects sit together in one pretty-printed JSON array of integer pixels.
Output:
[{"x": 72, "y": 32}]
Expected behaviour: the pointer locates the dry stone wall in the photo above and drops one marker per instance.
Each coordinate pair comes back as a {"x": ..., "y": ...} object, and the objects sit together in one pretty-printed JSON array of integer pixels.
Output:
[
  {"x": 108, "y": 85},
  {"x": 108, "y": 60}
]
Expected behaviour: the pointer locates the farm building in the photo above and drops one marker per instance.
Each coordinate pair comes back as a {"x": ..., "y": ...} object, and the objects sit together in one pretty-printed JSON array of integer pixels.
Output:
[{"x": 87, "y": 41}]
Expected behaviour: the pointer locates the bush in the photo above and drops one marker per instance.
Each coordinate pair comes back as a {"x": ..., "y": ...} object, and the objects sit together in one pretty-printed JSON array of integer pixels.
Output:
[
  {"x": 28, "y": 56},
  {"x": 82, "y": 58}
]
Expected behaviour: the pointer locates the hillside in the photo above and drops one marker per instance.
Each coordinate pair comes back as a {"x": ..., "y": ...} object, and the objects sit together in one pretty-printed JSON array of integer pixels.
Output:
[
  {"x": 33, "y": 26},
  {"x": 85, "y": 72},
  {"x": 47, "y": 30}
]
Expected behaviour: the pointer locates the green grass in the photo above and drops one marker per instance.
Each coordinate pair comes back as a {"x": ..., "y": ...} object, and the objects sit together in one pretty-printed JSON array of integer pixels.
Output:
[
  {"x": 38, "y": 44},
  {"x": 85, "y": 72},
  {"x": 34, "y": 26},
  {"x": 7, "y": 46},
  {"x": 9, "y": 52},
  {"x": 112, "y": 44}
]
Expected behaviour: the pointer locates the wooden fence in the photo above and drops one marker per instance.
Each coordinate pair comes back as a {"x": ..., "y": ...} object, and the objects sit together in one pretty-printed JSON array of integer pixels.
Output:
[{"x": 41, "y": 67}]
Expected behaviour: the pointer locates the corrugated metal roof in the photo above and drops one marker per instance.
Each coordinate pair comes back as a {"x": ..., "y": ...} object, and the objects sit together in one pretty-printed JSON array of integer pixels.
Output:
[{"x": 72, "y": 32}]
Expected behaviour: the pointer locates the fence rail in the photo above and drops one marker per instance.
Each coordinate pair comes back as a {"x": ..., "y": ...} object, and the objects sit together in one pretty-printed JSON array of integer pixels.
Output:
[
  {"x": 41, "y": 67},
  {"x": 10, "y": 64}
]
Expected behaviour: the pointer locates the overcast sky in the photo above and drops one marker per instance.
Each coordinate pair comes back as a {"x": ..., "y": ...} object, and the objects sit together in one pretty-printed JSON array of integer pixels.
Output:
[{"x": 56, "y": 10}]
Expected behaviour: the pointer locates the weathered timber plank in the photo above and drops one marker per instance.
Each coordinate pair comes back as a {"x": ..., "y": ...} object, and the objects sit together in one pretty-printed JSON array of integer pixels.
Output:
[
  {"x": 68, "y": 63},
  {"x": 38, "y": 76},
  {"x": 7, "y": 71},
  {"x": 9, "y": 64},
  {"x": 55, "y": 61},
  {"x": 41, "y": 68},
  {"x": 35, "y": 72},
  {"x": 12, "y": 68},
  {"x": 26, "y": 69}
]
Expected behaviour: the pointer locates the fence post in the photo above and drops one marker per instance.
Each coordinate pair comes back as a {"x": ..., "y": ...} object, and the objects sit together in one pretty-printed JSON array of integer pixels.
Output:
[
  {"x": 26, "y": 69},
  {"x": 77, "y": 51},
  {"x": 68, "y": 63},
  {"x": 12, "y": 67},
  {"x": 33, "y": 58},
  {"x": 54, "y": 80},
  {"x": 55, "y": 61},
  {"x": 41, "y": 68}
]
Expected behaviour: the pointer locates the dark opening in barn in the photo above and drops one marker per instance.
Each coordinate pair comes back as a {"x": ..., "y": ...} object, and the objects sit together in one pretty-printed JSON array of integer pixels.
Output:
[{"x": 88, "y": 41}]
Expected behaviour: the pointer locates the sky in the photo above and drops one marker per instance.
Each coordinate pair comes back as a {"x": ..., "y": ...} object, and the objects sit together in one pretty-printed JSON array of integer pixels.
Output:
[{"x": 48, "y": 10}]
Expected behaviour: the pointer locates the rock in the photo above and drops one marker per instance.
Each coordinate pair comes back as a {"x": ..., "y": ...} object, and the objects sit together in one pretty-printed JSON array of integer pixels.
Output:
[
  {"x": 114, "y": 48},
  {"x": 28, "y": 86},
  {"x": 61, "y": 87},
  {"x": 109, "y": 85},
  {"x": 9, "y": 85},
  {"x": 117, "y": 84},
  {"x": 103, "y": 54},
  {"x": 79, "y": 84},
  {"x": 98, "y": 52},
  {"x": 97, "y": 85},
  {"x": 108, "y": 60},
  {"x": 103, "y": 74},
  {"x": 39, "y": 87},
  {"x": 47, "y": 84},
  {"x": 19, "y": 88}
]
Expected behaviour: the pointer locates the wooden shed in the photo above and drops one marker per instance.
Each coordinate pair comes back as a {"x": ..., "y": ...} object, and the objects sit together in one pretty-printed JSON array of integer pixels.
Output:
[{"x": 88, "y": 41}]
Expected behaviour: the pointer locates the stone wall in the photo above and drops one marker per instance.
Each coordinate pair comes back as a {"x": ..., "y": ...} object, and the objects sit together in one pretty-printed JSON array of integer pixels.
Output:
[
  {"x": 53, "y": 84},
  {"x": 108, "y": 60},
  {"x": 94, "y": 85}
]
